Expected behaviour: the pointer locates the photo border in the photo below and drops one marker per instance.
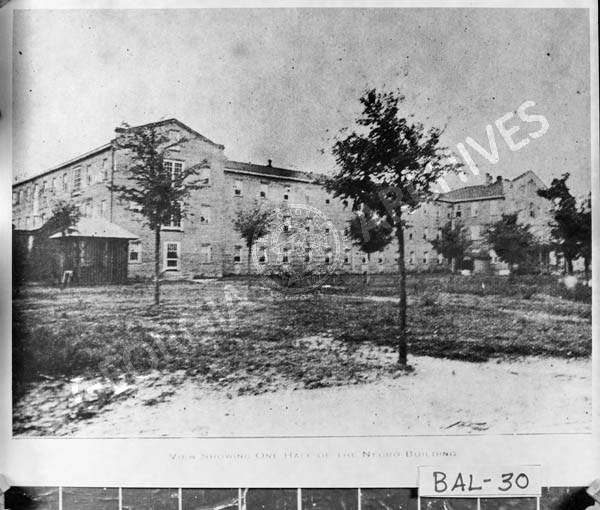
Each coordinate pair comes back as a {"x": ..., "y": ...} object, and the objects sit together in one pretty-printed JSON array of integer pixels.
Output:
[{"x": 566, "y": 459}]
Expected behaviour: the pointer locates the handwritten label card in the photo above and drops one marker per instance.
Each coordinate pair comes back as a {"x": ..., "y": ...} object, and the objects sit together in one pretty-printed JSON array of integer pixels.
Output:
[{"x": 482, "y": 481}]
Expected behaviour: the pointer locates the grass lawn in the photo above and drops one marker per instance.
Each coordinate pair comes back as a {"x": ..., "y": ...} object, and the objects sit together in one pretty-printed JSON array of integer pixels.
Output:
[{"x": 231, "y": 332}]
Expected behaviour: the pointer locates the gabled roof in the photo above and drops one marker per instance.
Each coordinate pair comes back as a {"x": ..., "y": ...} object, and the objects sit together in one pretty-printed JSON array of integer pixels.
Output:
[
  {"x": 182, "y": 126},
  {"x": 268, "y": 171},
  {"x": 478, "y": 192},
  {"x": 107, "y": 146},
  {"x": 72, "y": 161},
  {"x": 96, "y": 227}
]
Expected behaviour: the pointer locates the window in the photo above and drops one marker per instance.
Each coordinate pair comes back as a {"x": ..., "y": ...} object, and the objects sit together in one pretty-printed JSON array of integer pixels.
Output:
[
  {"x": 345, "y": 203},
  {"x": 15, "y": 198},
  {"x": 175, "y": 168},
  {"x": 205, "y": 214},
  {"x": 262, "y": 255},
  {"x": 20, "y": 199},
  {"x": 263, "y": 190},
  {"x": 328, "y": 257},
  {"x": 532, "y": 210},
  {"x": 474, "y": 209},
  {"x": 206, "y": 254},
  {"x": 307, "y": 254},
  {"x": 308, "y": 225},
  {"x": 327, "y": 201},
  {"x": 286, "y": 223},
  {"x": 43, "y": 187},
  {"x": 88, "y": 175},
  {"x": 285, "y": 255},
  {"x": 411, "y": 257},
  {"x": 380, "y": 261},
  {"x": 425, "y": 257},
  {"x": 425, "y": 233},
  {"x": 36, "y": 199},
  {"x": 175, "y": 222},
  {"x": 237, "y": 188},
  {"x": 105, "y": 169},
  {"x": 53, "y": 188},
  {"x": 410, "y": 236},
  {"x": 135, "y": 252},
  {"x": 77, "y": 178},
  {"x": 88, "y": 208},
  {"x": 288, "y": 191},
  {"x": 171, "y": 262},
  {"x": 475, "y": 232},
  {"x": 458, "y": 211},
  {"x": 347, "y": 256},
  {"x": 237, "y": 254},
  {"x": 65, "y": 183}
]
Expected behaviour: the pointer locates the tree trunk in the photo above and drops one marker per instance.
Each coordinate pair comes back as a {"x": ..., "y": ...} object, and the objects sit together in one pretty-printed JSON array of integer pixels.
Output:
[
  {"x": 453, "y": 264},
  {"x": 368, "y": 275},
  {"x": 250, "y": 259},
  {"x": 402, "y": 347},
  {"x": 569, "y": 263},
  {"x": 157, "y": 266}
]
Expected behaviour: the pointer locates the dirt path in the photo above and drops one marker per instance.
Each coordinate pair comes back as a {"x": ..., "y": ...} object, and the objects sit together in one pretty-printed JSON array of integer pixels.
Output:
[{"x": 440, "y": 397}]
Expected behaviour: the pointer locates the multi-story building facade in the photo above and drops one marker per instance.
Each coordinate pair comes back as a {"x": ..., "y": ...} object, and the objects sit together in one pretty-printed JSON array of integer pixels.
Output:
[{"x": 204, "y": 242}]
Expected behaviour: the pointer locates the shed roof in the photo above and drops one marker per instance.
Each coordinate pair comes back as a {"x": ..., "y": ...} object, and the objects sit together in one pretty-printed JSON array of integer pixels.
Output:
[
  {"x": 478, "y": 192},
  {"x": 96, "y": 227},
  {"x": 268, "y": 171}
]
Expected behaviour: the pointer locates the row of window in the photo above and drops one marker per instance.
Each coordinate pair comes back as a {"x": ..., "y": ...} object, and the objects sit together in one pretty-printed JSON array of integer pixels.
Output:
[
  {"x": 87, "y": 209},
  {"x": 264, "y": 193},
  {"x": 172, "y": 255},
  {"x": 81, "y": 176}
]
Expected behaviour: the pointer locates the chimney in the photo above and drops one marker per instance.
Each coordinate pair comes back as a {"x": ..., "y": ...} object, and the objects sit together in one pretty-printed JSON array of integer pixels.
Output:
[
  {"x": 499, "y": 179},
  {"x": 488, "y": 178},
  {"x": 269, "y": 162}
]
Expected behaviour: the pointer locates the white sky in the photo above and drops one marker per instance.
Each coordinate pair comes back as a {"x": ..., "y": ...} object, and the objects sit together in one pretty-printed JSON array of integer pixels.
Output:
[{"x": 276, "y": 84}]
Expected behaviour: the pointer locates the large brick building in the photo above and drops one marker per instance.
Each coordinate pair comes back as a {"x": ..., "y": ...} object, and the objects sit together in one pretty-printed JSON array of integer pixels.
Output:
[{"x": 205, "y": 243}]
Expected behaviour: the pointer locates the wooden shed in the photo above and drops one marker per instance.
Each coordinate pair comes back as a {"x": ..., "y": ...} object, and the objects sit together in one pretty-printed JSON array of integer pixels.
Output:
[{"x": 93, "y": 252}]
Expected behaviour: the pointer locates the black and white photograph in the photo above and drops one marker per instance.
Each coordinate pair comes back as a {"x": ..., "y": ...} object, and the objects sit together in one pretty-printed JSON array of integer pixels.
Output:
[{"x": 301, "y": 222}]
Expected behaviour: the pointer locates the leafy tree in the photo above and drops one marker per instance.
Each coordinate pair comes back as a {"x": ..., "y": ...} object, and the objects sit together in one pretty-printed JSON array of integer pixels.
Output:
[
  {"x": 387, "y": 165},
  {"x": 369, "y": 234},
  {"x": 253, "y": 223},
  {"x": 512, "y": 242},
  {"x": 42, "y": 262},
  {"x": 453, "y": 242},
  {"x": 64, "y": 216},
  {"x": 159, "y": 191},
  {"x": 565, "y": 228}
]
